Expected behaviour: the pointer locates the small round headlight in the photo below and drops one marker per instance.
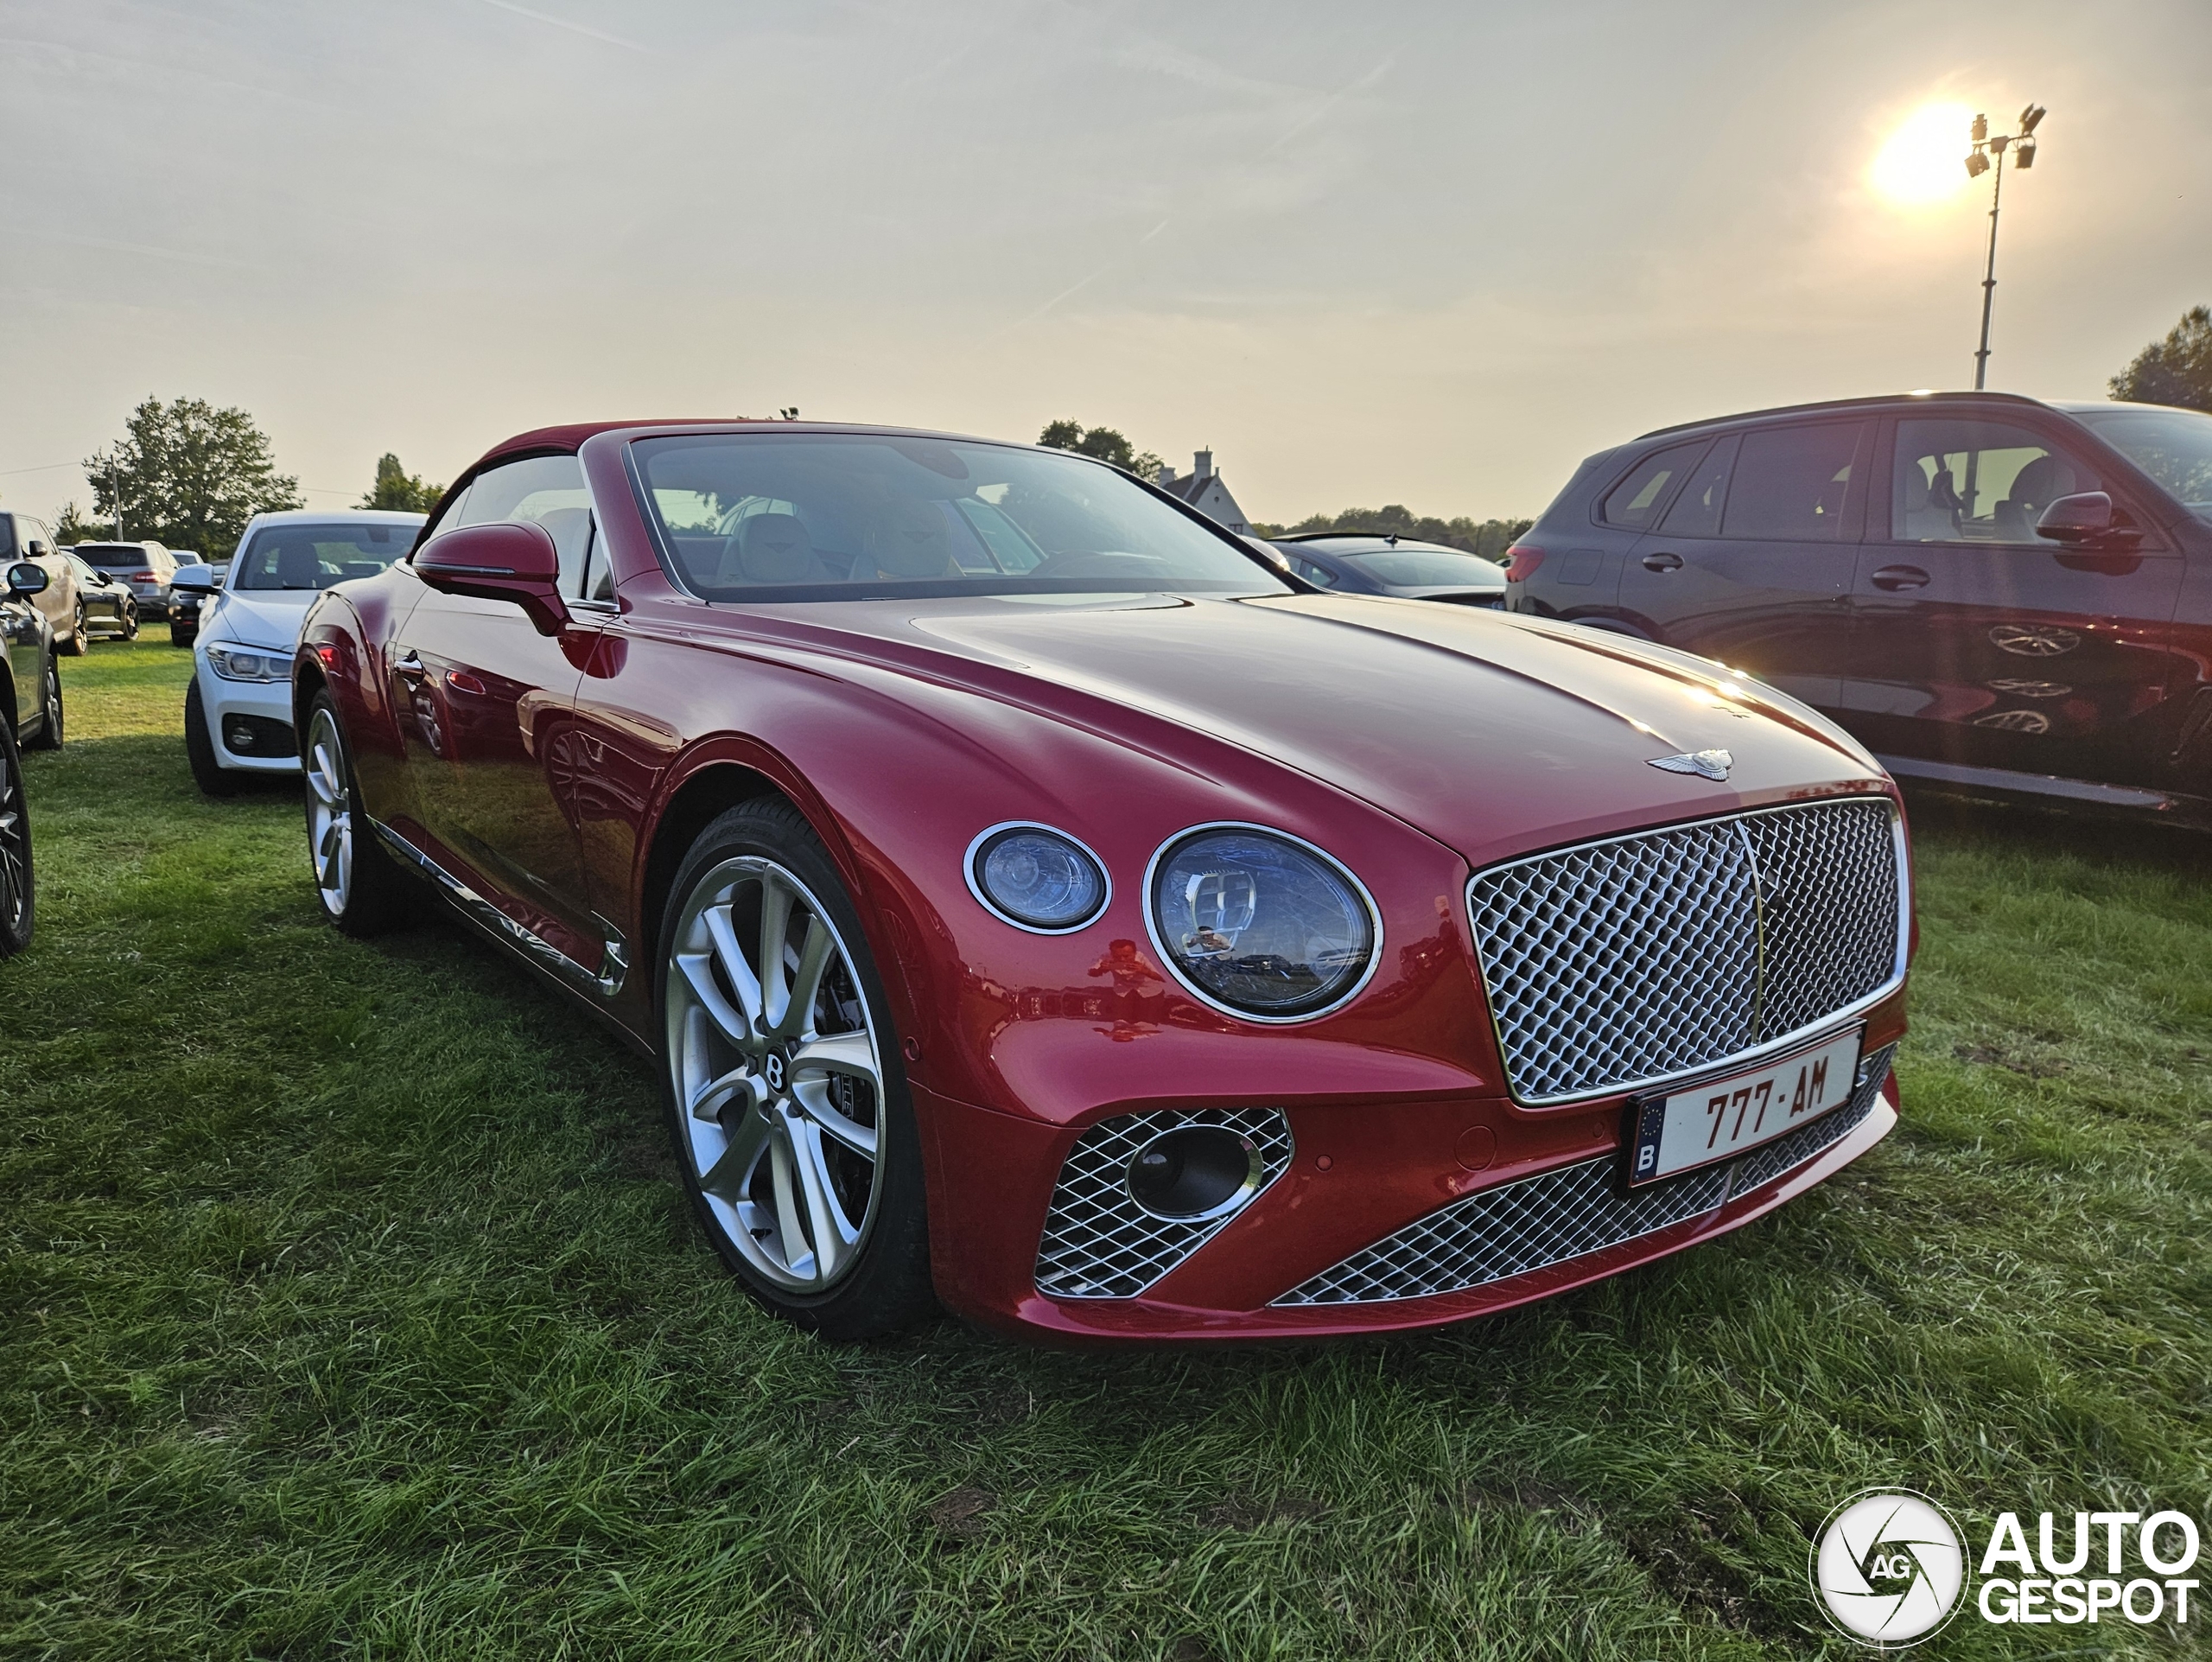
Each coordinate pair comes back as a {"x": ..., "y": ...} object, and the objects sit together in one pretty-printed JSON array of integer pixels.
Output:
[
  {"x": 1037, "y": 878},
  {"x": 1260, "y": 924}
]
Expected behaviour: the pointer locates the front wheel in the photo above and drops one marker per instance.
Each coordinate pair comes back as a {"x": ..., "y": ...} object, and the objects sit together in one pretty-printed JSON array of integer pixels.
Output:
[
  {"x": 15, "y": 890},
  {"x": 782, "y": 1082},
  {"x": 130, "y": 621},
  {"x": 210, "y": 775},
  {"x": 362, "y": 891},
  {"x": 49, "y": 707}
]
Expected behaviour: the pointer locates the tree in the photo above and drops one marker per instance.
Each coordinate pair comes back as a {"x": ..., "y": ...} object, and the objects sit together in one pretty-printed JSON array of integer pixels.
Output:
[
  {"x": 1102, "y": 443},
  {"x": 399, "y": 491},
  {"x": 1488, "y": 538},
  {"x": 73, "y": 527},
  {"x": 2177, "y": 370},
  {"x": 189, "y": 475}
]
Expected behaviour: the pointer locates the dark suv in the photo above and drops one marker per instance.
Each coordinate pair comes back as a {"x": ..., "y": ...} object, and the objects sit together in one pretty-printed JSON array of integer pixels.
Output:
[{"x": 1994, "y": 593}]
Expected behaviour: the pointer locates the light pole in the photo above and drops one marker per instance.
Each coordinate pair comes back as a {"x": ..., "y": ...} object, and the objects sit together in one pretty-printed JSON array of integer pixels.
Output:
[{"x": 1988, "y": 155}]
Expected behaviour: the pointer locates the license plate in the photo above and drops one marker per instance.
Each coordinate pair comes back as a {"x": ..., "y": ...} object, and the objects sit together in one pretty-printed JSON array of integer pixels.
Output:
[{"x": 1698, "y": 1124}]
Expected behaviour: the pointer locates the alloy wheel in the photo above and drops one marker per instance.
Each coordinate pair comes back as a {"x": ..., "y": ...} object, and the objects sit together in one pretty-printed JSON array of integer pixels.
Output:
[
  {"x": 330, "y": 817},
  {"x": 777, "y": 1073},
  {"x": 14, "y": 849}
]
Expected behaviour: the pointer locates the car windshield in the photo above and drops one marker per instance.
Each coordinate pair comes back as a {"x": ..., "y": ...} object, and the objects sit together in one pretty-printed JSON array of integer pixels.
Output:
[
  {"x": 311, "y": 556},
  {"x": 112, "y": 557},
  {"x": 828, "y": 516},
  {"x": 2173, "y": 446},
  {"x": 1425, "y": 567}
]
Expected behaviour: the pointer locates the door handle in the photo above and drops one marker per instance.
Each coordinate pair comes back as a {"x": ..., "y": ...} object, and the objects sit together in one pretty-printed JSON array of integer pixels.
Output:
[
  {"x": 1663, "y": 562},
  {"x": 409, "y": 663},
  {"x": 1894, "y": 577}
]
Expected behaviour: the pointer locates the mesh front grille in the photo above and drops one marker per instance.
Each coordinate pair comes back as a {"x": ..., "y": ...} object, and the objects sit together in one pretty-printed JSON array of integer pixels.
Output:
[
  {"x": 1566, "y": 1214},
  {"x": 1627, "y": 962},
  {"x": 1098, "y": 1242}
]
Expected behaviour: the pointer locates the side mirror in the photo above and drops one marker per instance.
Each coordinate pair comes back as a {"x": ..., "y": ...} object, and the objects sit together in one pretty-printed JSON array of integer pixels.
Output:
[
  {"x": 2084, "y": 521},
  {"x": 25, "y": 579},
  {"x": 511, "y": 560},
  {"x": 191, "y": 578},
  {"x": 36, "y": 548}
]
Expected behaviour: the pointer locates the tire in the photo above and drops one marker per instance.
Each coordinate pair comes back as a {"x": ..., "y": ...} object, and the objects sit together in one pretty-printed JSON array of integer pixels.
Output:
[
  {"x": 130, "y": 621},
  {"x": 77, "y": 642},
  {"x": 362, "y": 890},
  {"x": 51, "y": 718},
  {"x": 800, "y": 1126},
  {"x": 210, "y": 775},
  {"x": 17, "y": 891}
]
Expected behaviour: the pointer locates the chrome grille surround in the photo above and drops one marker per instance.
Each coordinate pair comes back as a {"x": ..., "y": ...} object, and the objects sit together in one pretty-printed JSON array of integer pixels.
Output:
[
  {"x": 1098, "y": 1242},
  {"x": 1635, "y": 960},
  {"x": 1566, "y": 1214}
]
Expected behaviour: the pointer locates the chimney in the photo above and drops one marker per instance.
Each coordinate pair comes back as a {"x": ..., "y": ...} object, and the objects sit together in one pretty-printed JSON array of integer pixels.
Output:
[
  {"x": 1166, "y": 476},
  {"x": 1202, "y": 465}
]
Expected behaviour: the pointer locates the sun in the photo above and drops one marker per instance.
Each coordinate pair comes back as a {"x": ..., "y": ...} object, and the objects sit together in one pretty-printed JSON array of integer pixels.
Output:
[{"x": 1924, "y": 159}]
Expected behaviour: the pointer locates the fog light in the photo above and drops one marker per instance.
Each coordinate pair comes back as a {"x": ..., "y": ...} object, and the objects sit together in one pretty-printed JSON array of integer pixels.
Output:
[{"x": 1195, "y": 1172}]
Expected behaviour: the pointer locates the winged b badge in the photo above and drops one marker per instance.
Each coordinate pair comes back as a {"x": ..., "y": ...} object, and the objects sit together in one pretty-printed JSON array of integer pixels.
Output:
[{"x": 1706, "y": 764}]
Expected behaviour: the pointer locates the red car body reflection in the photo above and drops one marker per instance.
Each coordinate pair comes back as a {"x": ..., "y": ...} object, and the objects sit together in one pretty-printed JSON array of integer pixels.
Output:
[{"x": 559, "y": 777}]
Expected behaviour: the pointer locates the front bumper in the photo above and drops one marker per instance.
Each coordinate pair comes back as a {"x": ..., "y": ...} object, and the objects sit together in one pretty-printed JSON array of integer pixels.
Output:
[
  {"x": 1375, "y": 1199},
  {"x": 265, "y": 709}
]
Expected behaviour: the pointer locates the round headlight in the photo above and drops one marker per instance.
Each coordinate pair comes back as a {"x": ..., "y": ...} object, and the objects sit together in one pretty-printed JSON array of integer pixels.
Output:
[
  {"x": 1037, "y": 878},
  {"x": 1260, "y": 924}
]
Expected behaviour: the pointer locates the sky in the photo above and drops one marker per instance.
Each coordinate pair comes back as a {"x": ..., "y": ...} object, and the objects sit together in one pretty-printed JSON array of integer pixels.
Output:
[{"x": 1427, "y": 254}]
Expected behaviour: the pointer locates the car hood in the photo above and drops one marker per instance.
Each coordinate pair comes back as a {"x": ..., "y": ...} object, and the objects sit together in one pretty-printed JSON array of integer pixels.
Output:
[
  {"x": 270, "y": 619},
  {"x": 1492, "y": 734}
]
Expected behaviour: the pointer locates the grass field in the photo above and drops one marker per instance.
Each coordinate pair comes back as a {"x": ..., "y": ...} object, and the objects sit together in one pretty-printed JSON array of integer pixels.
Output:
[{"x": 348, "y": 1308}]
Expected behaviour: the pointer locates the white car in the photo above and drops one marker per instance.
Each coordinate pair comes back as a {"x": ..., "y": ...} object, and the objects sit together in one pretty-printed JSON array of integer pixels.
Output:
[{"x": 238, "y": 712}]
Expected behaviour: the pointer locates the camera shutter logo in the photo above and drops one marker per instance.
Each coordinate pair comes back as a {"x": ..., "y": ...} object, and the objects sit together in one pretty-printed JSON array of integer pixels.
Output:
[{"x": 1888, "y": 1566}]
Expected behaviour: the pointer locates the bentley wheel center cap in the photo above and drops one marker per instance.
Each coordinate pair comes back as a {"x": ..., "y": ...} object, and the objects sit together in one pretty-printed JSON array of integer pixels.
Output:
[{"x": 775, "y": 1070}]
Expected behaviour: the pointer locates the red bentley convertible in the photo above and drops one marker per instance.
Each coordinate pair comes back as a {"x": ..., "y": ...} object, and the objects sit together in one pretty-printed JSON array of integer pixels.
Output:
[{"x": 1037, "y": 902}]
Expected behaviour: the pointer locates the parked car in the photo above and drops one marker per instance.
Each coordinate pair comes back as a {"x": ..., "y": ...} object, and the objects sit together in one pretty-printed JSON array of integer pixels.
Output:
[
  {"x": 187, "y": 600},
  {"x": 106, "y": 606},
  {"x": 30, "y": 693},
  {"x": 237, "y": 710},
  {"x": 147, "y": 567},
  {"x": 1349, "y": 563},
  {"x": 1032, "y": 896},
  {"x": 1998, "y": 594},
  {"x": 25, "y": 536}
]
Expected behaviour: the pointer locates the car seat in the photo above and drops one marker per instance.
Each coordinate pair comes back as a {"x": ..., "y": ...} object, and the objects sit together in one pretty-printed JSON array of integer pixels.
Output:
[
  {"x": 2035, "y": 488},
  {"x": 298, "y": 566}
]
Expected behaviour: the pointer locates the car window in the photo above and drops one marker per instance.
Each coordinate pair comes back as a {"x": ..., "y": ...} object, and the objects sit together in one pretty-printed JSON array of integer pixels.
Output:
[
  {"x": 1636, "y": 501},
  {"x": 114, "y": 556},
  {"x": 827, "y": 516},
  {"x": 309, "y": 556},
  {"x": 9, "y": 548},
  {"x": 1319, "y": 576},
  {"x": 1977, "y": 482},
  {"x": 545, "y": 490},
  {"x": 1418, "y": 568},
  {"x": 2173, "y": 446},
  {"x": 1696, "y": 511},
  {"x": 1792, "y": 483}
]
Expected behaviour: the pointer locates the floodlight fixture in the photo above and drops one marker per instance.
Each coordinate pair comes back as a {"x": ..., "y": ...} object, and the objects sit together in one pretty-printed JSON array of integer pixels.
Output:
[{"x": 1988, "y": 153}]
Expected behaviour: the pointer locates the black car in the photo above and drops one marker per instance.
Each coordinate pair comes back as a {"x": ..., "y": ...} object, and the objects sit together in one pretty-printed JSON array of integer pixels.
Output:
[
  {"x": 1356, "y": 562},
  {"x": 105, "y": 605},
  {"x": 30, "y": 718},
  {"x": 1997, "y": 595},
  {"x": 188, "y": 600}
]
